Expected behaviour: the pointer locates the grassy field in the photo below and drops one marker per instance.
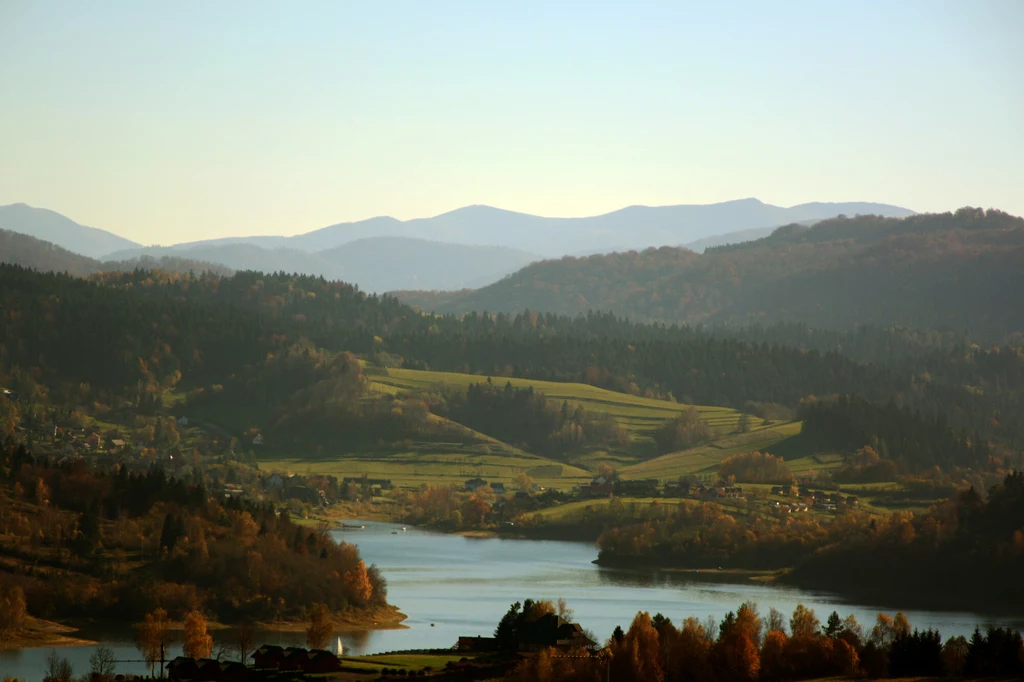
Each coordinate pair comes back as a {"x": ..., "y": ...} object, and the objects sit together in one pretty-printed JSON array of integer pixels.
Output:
[
  {"x": 436, "y": 465},
  {"x": 639, "y": 415},
  {"x": 563, "y": 511},
  {"x": 706, "y": 458}
]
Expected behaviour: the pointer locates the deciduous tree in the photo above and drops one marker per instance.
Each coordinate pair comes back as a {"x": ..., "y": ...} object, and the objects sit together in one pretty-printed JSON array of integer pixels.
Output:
[
  {"x": 154, "y": 635},
  {"x": 196, "y": 642}
]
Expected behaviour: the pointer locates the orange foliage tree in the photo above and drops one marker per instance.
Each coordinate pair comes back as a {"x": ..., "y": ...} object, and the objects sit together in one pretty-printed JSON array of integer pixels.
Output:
[{"x": 196, "y": 641}]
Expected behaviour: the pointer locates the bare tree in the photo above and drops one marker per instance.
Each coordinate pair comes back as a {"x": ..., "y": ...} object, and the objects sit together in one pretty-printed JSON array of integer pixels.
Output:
[
  {"x": 102, "y": 662},
  {"x": 58, "y": 668},
  {"x": 243, "y": 641}
]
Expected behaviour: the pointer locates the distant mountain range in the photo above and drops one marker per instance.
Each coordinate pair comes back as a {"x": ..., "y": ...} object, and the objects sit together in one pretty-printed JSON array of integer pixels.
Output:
[
  {"x": 634, "y": 227},
  {"x": 468, "y": 247},
  {"x": 376, "y": 264},
  {"x": 29, "y": 252},
  {"x": 940, "y": 271}
]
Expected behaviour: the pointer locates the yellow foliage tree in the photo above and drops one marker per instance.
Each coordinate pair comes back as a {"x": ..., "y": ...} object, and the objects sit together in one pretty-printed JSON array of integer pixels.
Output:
[{"x": 196, "y": 642}]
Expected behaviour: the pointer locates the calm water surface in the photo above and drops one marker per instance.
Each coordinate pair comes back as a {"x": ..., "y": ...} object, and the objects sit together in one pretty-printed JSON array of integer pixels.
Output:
[{"x": 451, "y": 586}]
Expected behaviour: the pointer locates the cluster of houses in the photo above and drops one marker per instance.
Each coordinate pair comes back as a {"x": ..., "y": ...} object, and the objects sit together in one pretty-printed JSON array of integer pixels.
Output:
[
  {"x": 650, "y": 487},
  {"x": 296, "y": 487},
  {"x": 267, "y": 659},
  {"x": 816, "y": 499}
]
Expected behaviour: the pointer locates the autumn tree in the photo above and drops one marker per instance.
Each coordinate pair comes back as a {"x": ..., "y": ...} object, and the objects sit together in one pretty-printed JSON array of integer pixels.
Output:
[
  {"x": 358, "y": 583},
  {"x": 735, "y": 658},
  {"x": 154, "y": 636},
  {"x": 638, "y": 655},
  {"x": 804, "y": 623},
  {"x": 689, "y": 658},
  {"x": 775, "y": 621},
  {"x": 196, "y": 641},
  {"x": 13, "y": 611},
  {"x": 774, "y": 663},
  {"x": 748, "y": 622},
  {"x": 321, "y": 627}
]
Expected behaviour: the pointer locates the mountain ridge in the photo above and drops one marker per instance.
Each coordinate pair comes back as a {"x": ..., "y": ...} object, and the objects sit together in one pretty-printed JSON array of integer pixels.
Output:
[
  {"x": 50, "y": 226},
  {"x": 444, "y": 251},
  {"x": 836, "y": 274}
]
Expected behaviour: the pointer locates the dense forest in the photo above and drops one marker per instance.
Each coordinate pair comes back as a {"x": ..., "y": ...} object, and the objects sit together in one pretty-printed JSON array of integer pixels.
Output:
[
  {"x": 82, "y": 542},
  {"x": 951, "y": 271}
]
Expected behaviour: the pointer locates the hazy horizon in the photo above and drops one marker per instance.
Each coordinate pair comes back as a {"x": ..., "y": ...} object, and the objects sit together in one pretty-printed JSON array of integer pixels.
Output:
[
  {"x": 194, "y": 121},
  {"x": 385, "y": 234}
]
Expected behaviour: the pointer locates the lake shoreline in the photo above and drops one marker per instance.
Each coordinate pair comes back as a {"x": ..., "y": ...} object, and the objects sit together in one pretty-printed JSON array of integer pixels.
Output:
[
  {"x": 40, "y": 633},
  {"x": 878, "y": 594},
  {"x": 43, "y": 633}
]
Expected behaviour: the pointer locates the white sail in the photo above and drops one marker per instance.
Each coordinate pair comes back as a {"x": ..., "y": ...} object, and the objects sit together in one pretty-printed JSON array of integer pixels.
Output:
[{"x": 339, "y": 647}]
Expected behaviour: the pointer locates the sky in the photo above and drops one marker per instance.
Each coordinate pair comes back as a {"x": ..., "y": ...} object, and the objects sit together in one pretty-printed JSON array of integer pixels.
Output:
[{"x": 170, "y": 122}]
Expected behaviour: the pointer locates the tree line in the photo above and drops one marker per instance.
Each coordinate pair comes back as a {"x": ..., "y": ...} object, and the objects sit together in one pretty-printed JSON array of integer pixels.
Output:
[{"x": 746, "y": 646}]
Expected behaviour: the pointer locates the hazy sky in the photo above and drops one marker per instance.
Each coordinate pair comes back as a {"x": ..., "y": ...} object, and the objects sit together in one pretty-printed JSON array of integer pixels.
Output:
[{"x": 173, "y": 121}]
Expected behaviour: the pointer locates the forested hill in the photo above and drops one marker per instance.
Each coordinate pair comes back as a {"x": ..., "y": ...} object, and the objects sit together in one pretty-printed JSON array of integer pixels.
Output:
[
  {"x": 21, "y": 249},
  {"x": 134, "y": 334},
  {"x": 955, "y": 271},
  {"x": 29, "y": 252}
]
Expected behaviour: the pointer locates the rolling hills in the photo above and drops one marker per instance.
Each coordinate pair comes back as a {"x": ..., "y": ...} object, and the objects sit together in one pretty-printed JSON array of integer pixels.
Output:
[{"x": 942, "y": 271}]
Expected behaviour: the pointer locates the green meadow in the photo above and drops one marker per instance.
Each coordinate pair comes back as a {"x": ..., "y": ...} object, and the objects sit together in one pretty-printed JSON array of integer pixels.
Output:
[
  {"x": 636, "y": 413},
  {"x": 705, "y": 459},
  {"x": 419, "y": 463}
]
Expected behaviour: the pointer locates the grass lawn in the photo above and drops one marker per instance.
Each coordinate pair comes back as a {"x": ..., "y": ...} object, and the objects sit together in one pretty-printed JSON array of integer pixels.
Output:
[{"x": 706, "y": 458}]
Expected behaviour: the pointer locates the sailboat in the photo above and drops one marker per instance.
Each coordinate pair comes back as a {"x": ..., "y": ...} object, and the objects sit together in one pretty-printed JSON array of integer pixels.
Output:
[{"x": 338, "y": 649}]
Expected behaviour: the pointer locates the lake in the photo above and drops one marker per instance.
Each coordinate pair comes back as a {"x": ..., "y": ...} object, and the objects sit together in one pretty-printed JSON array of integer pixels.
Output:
[{"x": 452, "y": 586}]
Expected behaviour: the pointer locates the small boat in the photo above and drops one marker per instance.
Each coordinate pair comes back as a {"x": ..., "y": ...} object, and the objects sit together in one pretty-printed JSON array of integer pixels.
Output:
[
  {"x": 351, "y": 526},
  {"x": 403, "y": 529},
  {"x": 394, "y": 532}
]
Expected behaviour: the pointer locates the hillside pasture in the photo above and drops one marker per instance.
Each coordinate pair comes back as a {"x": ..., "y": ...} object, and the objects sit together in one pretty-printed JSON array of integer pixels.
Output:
[
  {"x": 637, "y": 414},
  {"x": 705, "y": 459},
  {"x": 435, "y": 464}
]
